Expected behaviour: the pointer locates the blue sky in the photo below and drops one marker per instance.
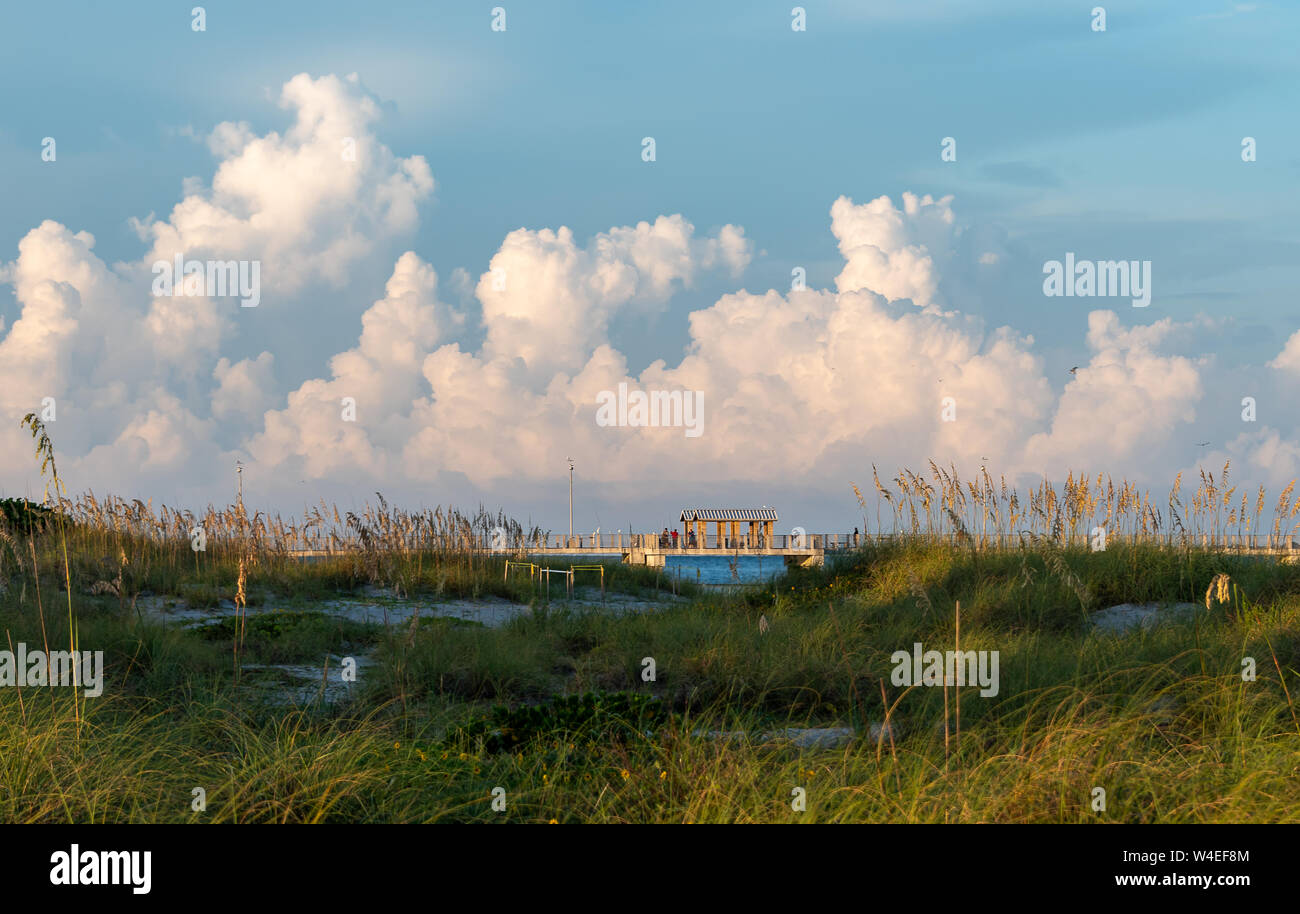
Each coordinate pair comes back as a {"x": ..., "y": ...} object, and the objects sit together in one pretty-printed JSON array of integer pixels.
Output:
[
  {"x": 1121, "y": 144},
  {"x": 1128, "y": 138}
]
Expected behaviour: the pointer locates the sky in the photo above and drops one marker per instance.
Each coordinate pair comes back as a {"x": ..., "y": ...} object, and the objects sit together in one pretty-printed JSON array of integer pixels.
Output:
[{"x": 498, "y": 251}]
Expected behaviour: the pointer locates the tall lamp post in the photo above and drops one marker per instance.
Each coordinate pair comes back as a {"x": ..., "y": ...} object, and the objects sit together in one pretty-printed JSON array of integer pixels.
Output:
[{"x": 570, "y": 501}]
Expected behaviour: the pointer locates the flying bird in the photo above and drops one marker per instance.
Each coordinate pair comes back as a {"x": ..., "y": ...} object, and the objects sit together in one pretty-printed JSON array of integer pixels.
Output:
[{"x": 1074, "y": 370}]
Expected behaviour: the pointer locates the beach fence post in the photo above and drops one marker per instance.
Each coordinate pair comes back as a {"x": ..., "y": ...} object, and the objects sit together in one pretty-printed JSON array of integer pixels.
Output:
[
  {"x": 576, "y": 568},
  {"x": 532, "y": 568}
]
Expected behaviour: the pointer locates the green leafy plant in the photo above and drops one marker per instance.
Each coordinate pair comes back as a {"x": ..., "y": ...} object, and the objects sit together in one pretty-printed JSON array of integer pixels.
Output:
[
  {"x": 614, "y": 716},
  {"x": 24, "y": 516}
]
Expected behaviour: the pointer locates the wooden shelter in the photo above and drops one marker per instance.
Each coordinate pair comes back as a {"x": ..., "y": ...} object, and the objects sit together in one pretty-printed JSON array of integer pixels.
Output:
[{"x": 760, "y": 522}]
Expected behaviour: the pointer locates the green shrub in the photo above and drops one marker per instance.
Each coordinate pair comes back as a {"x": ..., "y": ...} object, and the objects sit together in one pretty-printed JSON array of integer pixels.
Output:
[{"x": 600, "y": 716}]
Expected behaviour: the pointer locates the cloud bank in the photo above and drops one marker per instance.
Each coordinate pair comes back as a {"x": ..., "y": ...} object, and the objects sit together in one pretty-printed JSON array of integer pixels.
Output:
[{"x": 800, "y": 388}]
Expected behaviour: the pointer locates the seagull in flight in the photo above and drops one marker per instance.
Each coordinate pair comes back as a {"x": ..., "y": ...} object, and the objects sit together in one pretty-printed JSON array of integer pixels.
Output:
[{"x": 1074, "y": 370}]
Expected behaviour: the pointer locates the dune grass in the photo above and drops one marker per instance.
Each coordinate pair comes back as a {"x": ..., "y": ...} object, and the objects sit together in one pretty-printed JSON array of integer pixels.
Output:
[
  {"x": 1191, "y": 721},
  {"x": 1162, "y": 720}
]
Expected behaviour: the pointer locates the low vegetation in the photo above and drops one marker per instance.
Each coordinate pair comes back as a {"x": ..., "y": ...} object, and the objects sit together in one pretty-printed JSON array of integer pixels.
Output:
[
  {"x": 687, "y": 710},
  {"x": 1162, "y": 720}
]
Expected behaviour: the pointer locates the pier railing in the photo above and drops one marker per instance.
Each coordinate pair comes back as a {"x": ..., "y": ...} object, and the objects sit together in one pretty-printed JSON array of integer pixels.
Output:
[
  {"x": 613, "y": 542},
  {"x": 617, "y": 543},
  {"x": 658, "y": 542}
]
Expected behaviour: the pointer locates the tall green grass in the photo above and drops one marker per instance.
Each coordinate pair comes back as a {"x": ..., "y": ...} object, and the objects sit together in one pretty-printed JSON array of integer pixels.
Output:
[{"x": 1162, "y": 720}]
